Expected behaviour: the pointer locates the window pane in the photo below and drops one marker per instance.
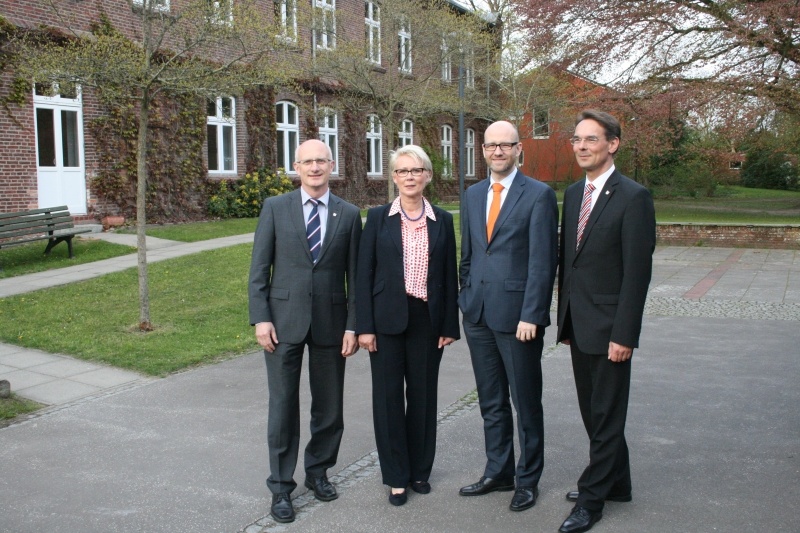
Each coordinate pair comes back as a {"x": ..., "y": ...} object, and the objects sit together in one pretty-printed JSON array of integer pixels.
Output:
[
  {"x": 291, "y": 114},
  {"x": 211, "y": 108},
  {"x": 227, "y": 147},
  {"x": 45, "y": 137},
  {"x": 279, "y": 113},
  {"x": 213, "y": 151},
  {"x": 292, "y": 148},
  {"x": 282, "y": 151},
  {"x": 69, "y": 138},
  {"x": 227, "y": 108}
]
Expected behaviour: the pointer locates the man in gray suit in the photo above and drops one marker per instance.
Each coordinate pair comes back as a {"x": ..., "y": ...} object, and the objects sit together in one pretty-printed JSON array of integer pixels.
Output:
[
  {"x": 304, "y": 258},
  {"x": 508, "y": 264}
]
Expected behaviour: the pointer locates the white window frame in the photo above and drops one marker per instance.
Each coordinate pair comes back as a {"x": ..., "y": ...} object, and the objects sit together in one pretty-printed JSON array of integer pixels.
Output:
[
  {"x": 374, "y": 146},
  {"x": 325, "y": 24},
  {"x": 469, "y": 152},
  {"x": 447, "y": 65},
  {"x": 404, "y": 46},
  {"x": 153, "y": 5},
  {"x": 372, "y": 20},
  {"x": 329, "y": 133},
  {"x": 221, "y": 12},
  {"x": 447, "y": 150},
  {"x": 284, "y": 130},
  {"x": 286, "y": 12},
  {"x": 405, "y": 135},
  {"x": 541, "y": 130},
  {"x": 221, "y": 123}
]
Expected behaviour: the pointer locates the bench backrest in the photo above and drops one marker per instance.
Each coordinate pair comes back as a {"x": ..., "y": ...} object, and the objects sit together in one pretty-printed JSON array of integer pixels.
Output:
[{"x": 45, "y": 220}]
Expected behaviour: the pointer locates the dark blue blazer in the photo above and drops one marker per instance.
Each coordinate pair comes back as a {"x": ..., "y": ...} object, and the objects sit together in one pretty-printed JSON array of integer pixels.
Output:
[
  {"x": 509, "y": 279},
  {"x": 381, "y": 302}
]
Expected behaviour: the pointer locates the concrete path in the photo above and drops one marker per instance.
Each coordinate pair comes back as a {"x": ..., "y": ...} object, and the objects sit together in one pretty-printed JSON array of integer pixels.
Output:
[{"x": 714, "y": 429}]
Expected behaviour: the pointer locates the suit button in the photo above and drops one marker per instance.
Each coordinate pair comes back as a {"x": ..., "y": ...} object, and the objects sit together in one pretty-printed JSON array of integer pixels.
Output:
[
  {"x": 574, "y": 268},
  {"x": 488, "y": 253}
]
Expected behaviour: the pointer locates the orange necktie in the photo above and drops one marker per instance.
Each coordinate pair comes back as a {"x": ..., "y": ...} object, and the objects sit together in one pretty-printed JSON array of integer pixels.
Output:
[{"x": 494, "y": 210}]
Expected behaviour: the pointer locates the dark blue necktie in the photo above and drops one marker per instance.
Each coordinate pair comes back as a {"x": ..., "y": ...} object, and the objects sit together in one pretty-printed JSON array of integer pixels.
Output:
[{"x": 313, "y": 230}]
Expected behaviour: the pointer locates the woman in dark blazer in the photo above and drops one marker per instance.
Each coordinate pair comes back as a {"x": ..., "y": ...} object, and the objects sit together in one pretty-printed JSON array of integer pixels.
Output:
[{"x": 406, "y": 313}]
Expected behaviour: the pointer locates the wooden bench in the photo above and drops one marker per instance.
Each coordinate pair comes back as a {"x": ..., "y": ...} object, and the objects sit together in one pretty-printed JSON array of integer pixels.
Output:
[{"x": 53, "y": 224}]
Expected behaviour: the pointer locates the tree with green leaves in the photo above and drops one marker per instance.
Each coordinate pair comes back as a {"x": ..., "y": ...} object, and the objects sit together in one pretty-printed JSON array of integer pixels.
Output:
[{"x": 193, "y": 47}]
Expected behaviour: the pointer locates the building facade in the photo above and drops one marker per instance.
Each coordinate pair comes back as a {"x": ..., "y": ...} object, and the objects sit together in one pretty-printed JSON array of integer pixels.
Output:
[{"x": 67, "y": 146}]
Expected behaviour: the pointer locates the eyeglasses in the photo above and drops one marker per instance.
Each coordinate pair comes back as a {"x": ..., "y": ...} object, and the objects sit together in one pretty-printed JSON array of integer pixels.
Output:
[
  {"x": 505, "y": 147},
  {"x": 403, "y": 172},
  {"x": 591, "y": 140},
  {"x": 308, "y": 162}
]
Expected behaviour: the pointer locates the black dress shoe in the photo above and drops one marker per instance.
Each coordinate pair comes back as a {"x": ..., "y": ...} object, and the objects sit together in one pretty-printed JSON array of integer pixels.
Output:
[
  {"x": 323, "y": 490},
  {"x": 573, "y": 497},
  {"x": 421, "y": 487},
  {"x": 580, "y": 519},
  {"x": 524, "y": 498},
  {"x": 486, "y": 485},
  {"x": 398, "y": 499},
  {"x": 282, "y": 510}
]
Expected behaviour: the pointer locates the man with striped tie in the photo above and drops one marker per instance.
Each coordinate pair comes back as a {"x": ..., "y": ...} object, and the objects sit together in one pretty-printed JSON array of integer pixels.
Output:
[
  {"x": 304, "y": 259},
  {"x": 605, "y": 262}
]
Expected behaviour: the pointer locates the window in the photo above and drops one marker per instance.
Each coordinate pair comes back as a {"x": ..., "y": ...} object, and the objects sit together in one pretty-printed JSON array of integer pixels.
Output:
[
  {"x": 374, "y": 146},
  {"x": 286, "y": 13},
  {"x": 541, "y": 123},
  {"x": 447, "y": 67},
  {"x": 155, "y": 5},
  {"x": 469, "y": 152},
  {"x": 447, "y": 150},
  {"x": 469, "y": 68},
  {"x": 735, "y": 165},
  {"x": 372, "y": 19},
  {"x": 220, "y": 11},
  {"x": 287, "y": 123},
  {"x": 404, "y": 46},
  {"x": 221, "y": 135},
  {"x": 406, "y": 134},
  {"x": 325, "y": 23},
  {"x": 329, "y": 133}
]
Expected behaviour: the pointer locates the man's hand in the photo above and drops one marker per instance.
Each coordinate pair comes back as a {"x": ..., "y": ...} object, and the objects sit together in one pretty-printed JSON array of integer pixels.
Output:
[
  {"x": 349, "y": 344},
  {"x": 445, "y": 341},
  {"x": 368, "y": 341},
  {"x": 266, "y": 336},
  {"x": 618, "y": 353},
  {"x": 526, "y": 331}
]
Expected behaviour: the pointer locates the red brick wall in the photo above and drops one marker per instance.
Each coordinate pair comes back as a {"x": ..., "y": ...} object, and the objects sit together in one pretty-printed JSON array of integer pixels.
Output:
[{"x": 784, "y": 237}]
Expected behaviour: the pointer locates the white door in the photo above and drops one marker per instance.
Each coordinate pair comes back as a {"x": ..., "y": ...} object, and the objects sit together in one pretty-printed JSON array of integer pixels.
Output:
[{"x": 61, "y": 173}]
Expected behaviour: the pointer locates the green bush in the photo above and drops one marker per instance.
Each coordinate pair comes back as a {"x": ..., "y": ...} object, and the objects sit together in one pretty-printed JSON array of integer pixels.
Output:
[
  {"x": 766, "y": 168},
  {"x": 243, "y": 198}
]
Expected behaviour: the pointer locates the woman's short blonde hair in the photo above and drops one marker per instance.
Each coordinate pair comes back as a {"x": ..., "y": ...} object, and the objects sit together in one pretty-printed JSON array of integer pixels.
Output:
[{"x": 411, "y": 150}]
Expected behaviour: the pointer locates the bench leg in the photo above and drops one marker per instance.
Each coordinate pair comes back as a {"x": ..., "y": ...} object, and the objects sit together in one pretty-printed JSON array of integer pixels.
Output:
[{"x": 55, "y": 240}]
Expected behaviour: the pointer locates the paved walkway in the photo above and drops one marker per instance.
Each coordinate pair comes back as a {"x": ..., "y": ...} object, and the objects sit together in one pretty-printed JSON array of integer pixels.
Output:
[{"x": 714, "y": 427}]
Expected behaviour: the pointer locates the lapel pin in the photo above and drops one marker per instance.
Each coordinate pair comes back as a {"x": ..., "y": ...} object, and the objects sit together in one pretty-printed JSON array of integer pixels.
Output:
[
  {"x": 335, "y": 213},
  {"x": 608, "y": 192}
]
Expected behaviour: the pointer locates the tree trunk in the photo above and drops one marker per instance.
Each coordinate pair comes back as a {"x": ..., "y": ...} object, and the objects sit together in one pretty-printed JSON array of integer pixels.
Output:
[{"x": 141, "y": 214}]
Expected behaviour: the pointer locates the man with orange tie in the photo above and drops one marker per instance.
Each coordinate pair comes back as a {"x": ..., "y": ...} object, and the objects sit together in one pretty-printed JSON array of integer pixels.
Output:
[{"x": 509, "y": 227}]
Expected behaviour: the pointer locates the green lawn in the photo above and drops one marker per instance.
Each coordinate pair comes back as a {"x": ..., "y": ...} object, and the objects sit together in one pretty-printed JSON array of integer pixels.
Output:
[
  {"x": 733, "y": 205},
  {"x": 201, "y": 231},
  {"x": 15, "y": 406},
  {"x": 198, "y": 305},
  {"x": 29, "y": 258}
]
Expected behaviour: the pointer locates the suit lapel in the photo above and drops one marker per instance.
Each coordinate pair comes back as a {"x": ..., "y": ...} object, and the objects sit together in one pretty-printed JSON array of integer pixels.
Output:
[
  {"x": 479, "y": 206},
  {"x": 434, "y": 228},
  {"x": 599, "y": 206},
  {"x": 298, "y": 220},
  {"x": 334, "y": 217},
  {"x": 395, "y": 231},
  {"x": 512, "y": 196}
]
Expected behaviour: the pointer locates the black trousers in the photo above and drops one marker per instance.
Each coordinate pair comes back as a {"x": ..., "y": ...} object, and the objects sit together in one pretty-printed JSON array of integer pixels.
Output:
[
  {"x": 326, "y": 367},
  {"x": 507, "y": 370},
  {"x": 405, "y": 377},
  {"x": 603, "y": 389}
]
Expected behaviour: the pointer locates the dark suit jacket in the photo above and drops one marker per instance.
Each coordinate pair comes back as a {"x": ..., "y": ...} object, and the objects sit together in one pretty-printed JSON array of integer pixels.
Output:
[
  {"x": 380, "y": 286},
  {"x": 510, "y": 279},
  {"x": 604, "y": 282},
  {"x": 287, "y": 288}
]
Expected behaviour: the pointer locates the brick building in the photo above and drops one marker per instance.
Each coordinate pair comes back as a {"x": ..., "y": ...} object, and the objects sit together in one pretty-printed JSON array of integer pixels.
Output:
[{"x": 64, "y": 146}]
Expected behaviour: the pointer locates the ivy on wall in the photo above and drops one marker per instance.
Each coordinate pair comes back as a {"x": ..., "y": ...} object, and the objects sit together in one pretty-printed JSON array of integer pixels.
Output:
[
  {"x": 177, "y": 174},
  {"x": 260, "y": 125}
]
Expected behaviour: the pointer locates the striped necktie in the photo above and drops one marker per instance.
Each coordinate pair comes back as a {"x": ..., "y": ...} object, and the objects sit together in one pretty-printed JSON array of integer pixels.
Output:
[
  {"x": 586, "y": 208},
  {"x": 313, "y": 230}
]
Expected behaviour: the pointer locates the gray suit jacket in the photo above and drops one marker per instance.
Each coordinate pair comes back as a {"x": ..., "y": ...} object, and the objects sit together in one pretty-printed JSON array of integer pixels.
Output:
[
  {"x": 511, "y": 278},
  {"x": 604, "y": 282},
  {"x": 287, "y": 288}
]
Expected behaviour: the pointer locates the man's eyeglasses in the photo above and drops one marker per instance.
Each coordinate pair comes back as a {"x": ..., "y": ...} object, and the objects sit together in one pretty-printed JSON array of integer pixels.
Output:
[
  {"x": 403, "y": 172},
  {"x": 591, "y": 140},
  {"x": 505, "y": 147},
  {"x": 309, "y": 162}
]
